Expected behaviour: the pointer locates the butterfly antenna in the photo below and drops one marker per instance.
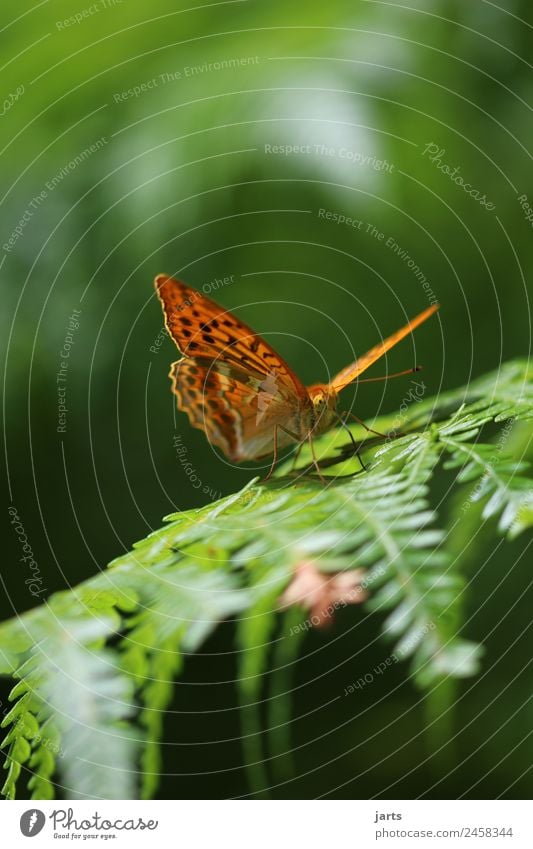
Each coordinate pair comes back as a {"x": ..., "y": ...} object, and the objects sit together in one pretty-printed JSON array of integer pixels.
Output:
[{"x": 389, "y": 376}]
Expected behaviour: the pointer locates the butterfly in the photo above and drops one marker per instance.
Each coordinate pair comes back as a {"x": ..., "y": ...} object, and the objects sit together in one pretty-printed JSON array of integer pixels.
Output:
[{"x": 238, "y": 390}]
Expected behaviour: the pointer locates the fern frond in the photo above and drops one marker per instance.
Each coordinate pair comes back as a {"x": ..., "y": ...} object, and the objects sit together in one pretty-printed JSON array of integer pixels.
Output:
[
  {"x": 73, "y": 701},
  {"x": 499, "y": 483},
  {"x": 95, "y": 667}
]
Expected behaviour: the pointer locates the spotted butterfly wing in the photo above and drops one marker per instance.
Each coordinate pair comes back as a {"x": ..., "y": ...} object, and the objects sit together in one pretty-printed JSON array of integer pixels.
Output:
[{"x": 230, "y": 382}]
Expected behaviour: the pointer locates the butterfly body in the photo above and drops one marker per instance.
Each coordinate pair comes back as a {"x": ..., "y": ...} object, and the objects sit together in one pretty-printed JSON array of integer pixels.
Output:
[
  {"x": 324, "y": 400},
  {"x": 237, "y": 389}
]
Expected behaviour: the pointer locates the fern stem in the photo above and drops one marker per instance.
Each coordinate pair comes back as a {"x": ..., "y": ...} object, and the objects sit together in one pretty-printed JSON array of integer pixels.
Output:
[
  {"x": 279, "y": 707},
  {"x": 254, "y": 762},
  {"x": 439, "y": 712}
]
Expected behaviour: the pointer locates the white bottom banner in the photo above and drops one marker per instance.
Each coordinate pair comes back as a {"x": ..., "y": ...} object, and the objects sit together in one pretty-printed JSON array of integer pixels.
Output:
[{"x": 264, "y": 825}]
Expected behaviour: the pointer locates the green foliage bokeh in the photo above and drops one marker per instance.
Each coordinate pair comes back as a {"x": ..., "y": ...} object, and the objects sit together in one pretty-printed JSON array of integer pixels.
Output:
[{"x": 181, "y": 182}]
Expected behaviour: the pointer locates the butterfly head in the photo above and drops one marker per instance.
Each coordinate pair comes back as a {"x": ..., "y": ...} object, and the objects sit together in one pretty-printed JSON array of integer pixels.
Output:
[{"x": 324, "y": 400}]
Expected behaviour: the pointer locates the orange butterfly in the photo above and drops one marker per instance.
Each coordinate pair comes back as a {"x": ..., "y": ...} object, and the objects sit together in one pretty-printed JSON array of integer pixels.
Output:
[{"x": 237, "y": 389}]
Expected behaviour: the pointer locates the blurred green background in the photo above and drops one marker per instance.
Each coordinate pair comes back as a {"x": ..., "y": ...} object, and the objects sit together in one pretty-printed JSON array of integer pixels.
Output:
[{"x": 139, "y": 140}]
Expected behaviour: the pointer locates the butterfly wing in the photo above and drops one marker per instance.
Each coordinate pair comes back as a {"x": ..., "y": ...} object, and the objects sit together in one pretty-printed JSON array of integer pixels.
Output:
[
  {"x": 230, "y": 382},
  {"x": 235, "y": 409},
  {"x": 351, "y": 372},
  {"x": 201, "y": 328}
]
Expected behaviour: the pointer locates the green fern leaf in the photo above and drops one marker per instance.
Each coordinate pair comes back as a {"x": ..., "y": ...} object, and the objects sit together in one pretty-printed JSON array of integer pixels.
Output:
[{"x": 95, "y": 666}]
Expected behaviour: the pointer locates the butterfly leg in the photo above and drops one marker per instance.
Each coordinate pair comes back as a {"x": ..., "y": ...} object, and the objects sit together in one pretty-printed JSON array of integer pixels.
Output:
[
  {"x": 354, "y": 443},
  {"x": 361, "y": 422},
  {"x": 313, "y": 454},
  {"x": 296, "y": 455},
  {"x": 289, "y": 433},
  {"x": 275, "y": 460}
]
